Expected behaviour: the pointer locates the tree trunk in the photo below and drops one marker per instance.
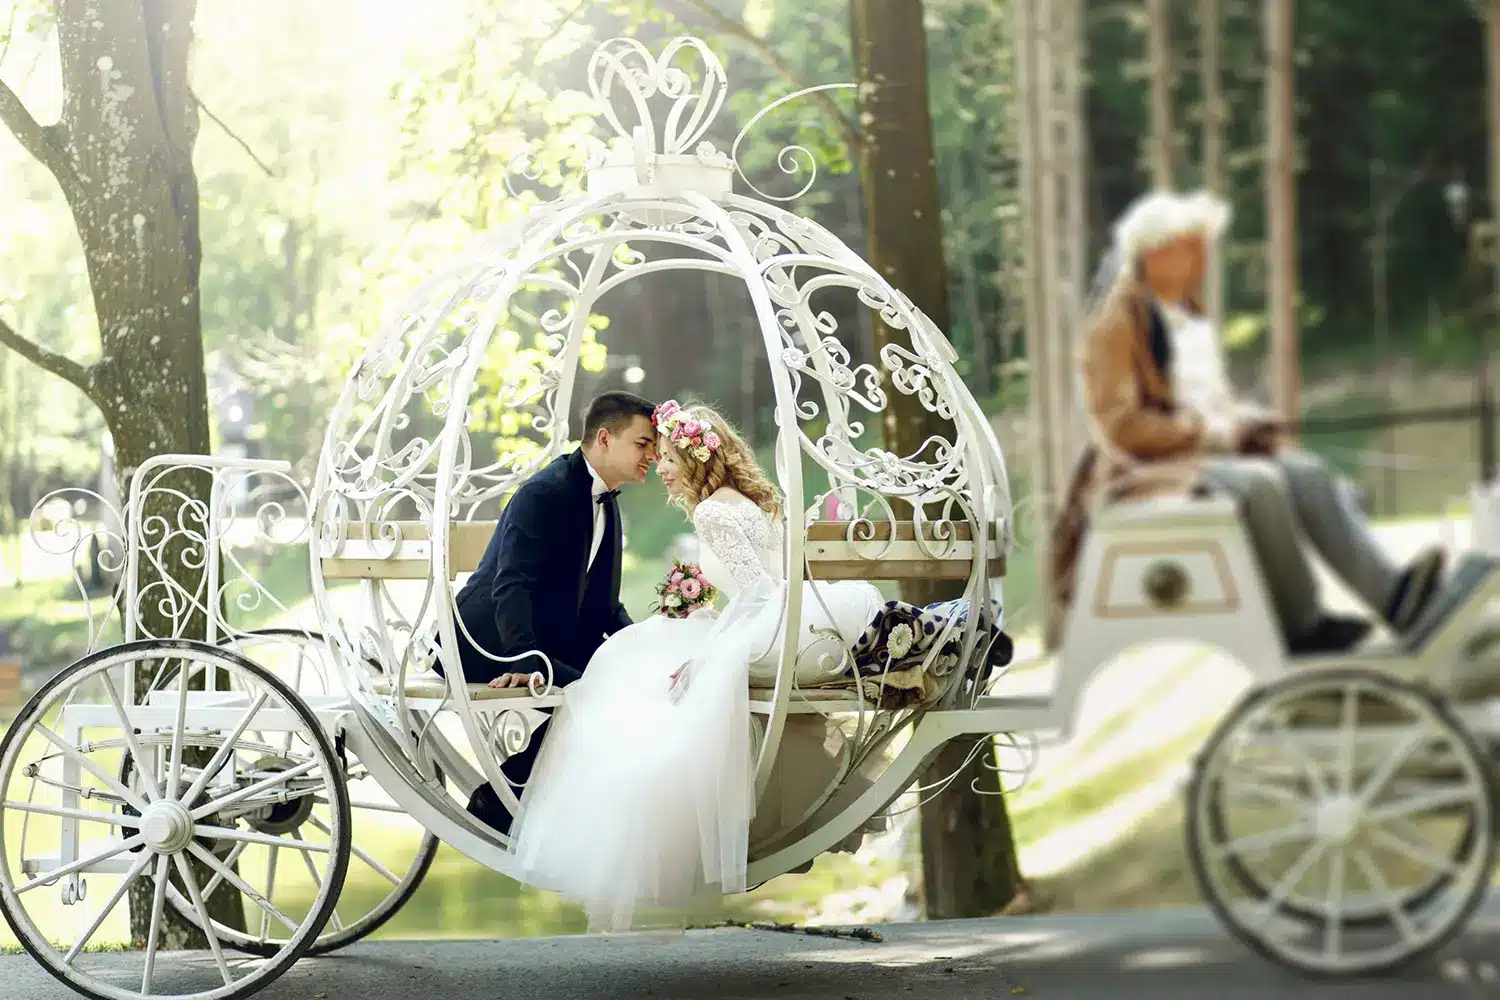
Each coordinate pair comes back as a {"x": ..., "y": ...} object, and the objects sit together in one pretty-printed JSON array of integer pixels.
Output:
[
  {"x": 1159, "y": 59},
  {"x": 1491, "y": 16},
  {"x": 1215, "y": 115},
  {"x": 968, "y": 855},
  {"x": 1281, "y": 207},
  {"x": 122, "y": 155}
]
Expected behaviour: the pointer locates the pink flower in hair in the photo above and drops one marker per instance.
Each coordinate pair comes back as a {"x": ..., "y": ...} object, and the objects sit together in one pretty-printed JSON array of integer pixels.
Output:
[{"x": 684, "y": 432}]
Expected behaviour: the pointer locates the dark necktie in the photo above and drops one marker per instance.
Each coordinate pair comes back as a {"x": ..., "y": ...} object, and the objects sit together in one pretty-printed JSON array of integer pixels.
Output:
[{"x": 609, "y": 544}]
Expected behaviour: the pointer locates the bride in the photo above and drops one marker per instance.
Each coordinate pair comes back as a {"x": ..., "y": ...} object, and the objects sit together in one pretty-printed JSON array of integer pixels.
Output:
[{"x": 643, "y": 791}]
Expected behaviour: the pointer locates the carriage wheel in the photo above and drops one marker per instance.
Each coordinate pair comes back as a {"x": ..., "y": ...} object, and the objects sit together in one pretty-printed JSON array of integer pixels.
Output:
[
  {"x": 186, "y": 825},
  {"x": 1325, "y": 711},
  {"x": 1347, "y": 844},
  {"x": 1361, "y": 912},
  {"x": 390, "y": 852}
]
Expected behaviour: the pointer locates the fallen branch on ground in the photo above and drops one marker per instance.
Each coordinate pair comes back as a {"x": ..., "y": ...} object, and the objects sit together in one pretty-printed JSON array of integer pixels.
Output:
[{"x": 853, "y": 933}]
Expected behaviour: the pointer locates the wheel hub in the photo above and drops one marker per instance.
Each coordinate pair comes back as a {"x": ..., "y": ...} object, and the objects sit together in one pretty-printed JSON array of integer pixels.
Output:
[
  {"x": 167, "y": 827},
  {"x": 1337, "y": 819},
  {"x": 281, "y": 817}
]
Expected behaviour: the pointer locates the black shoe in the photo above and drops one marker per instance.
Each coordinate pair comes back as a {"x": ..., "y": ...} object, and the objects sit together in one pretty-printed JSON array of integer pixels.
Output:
[
  {"x": 485, "y": 806},
  {"x": 1414, "y": 589},
  {"x": 1332, "y": 634}
]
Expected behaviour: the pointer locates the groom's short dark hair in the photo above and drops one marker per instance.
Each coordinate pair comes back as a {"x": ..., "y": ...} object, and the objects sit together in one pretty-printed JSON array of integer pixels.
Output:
[{"x": 614, "y": 410}]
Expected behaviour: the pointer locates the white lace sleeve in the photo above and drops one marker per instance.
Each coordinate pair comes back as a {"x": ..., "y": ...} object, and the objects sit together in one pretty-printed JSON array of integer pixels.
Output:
[{"x": 730, "y": 529}]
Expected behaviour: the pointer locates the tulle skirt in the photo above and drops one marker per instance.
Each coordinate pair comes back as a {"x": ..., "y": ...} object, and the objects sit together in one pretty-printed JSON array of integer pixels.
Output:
[{"x": 642, "y": 794}]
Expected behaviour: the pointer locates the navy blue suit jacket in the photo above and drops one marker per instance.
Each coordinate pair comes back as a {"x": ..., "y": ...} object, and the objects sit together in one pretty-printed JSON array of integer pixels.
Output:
[{"x": 533, "y": 588}]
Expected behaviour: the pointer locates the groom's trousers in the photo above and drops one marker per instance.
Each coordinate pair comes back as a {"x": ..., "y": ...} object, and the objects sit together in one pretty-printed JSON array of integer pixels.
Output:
[{"x": 485, "y": 805}]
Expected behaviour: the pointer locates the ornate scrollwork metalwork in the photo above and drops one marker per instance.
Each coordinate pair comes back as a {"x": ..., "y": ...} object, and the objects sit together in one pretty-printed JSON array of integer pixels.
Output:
[
  {"x": 399, "y": 446},
  {"x": 90, "y": 531}
]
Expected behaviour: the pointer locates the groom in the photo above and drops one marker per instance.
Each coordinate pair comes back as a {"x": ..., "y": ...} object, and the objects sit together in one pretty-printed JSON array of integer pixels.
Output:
[{"x": 550, "y": 578}]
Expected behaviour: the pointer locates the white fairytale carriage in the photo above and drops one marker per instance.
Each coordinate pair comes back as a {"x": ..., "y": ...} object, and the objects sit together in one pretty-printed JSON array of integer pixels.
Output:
[{"x": 177, "y": 772}]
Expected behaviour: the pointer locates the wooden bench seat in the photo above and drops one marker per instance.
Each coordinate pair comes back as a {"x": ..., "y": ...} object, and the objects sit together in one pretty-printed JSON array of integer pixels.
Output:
[
  {"x": 432, "y": 688},
  {"x": 831, "y": 555},
  {"x": 829, "y": 552}
]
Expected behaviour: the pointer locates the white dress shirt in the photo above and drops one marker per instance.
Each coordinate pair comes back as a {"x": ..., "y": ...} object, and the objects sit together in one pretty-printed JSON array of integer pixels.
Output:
[
  {"x": 599, "y": 489},
  {"x": 1200, "y": 380}
]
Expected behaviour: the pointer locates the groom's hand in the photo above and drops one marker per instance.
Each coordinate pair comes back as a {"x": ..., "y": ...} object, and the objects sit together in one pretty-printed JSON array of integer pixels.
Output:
[{"x": 511, "y": 681}]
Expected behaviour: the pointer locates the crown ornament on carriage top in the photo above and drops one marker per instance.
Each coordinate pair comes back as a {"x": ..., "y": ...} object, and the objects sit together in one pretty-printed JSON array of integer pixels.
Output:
[{"x": 672, "y": 155}]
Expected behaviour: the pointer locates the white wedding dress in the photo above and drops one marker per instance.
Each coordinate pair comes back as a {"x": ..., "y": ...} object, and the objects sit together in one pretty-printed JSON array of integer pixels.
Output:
[{"x": 642, "y": 795}]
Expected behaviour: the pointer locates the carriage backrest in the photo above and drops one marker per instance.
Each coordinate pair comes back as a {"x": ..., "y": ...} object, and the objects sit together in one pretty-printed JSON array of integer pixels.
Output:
[{"x": 946, "y": 554}]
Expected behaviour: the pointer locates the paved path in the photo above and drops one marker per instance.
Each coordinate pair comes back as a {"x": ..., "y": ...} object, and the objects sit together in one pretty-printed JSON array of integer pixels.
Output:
[{"x": 1170, "y": 953}]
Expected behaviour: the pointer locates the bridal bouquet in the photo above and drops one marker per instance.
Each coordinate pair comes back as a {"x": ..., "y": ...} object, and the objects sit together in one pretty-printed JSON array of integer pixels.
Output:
[{"x": 684, "y": 591}]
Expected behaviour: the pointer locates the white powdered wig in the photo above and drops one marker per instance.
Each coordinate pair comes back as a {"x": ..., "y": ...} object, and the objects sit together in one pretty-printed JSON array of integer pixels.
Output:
[{"x": 1158, "y": 218}]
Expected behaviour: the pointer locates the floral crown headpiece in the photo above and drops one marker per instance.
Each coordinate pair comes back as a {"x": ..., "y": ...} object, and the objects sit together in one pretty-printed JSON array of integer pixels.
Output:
[{"x": 687, "y": 433}]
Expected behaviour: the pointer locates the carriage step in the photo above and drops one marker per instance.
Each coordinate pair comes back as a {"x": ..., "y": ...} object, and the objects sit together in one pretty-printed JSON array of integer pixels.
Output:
[{"x": 1474, "y": 570}]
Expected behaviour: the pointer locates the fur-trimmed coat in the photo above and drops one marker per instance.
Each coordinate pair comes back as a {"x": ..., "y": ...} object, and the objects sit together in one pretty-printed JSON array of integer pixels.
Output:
[{"x": 1143, "y": 443}]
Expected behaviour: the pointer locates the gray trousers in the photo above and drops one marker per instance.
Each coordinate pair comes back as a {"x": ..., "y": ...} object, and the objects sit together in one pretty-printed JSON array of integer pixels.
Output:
[{"x": 1294, "y": 499}]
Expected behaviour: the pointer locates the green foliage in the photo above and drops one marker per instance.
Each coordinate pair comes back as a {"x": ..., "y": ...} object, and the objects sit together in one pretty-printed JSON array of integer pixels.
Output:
[
  {"x": 385, "y": 139},
  {"x": 1390, "y": 108}
]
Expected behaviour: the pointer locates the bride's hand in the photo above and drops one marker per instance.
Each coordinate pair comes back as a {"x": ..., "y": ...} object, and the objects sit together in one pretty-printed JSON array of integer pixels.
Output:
[{"x": 678, "y": 683}]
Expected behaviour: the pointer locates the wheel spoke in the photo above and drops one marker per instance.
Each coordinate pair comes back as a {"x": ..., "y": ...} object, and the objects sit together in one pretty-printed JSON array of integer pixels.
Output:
[
  {"x": 265, "y": 904},
  {"x": 1422, "y": 854},
  {"x": 175, "y": 775},
  {"x": 1289, "y": 882},
  {"x": 355, "y": 849},
  {"x": 153, "y": 790},
  {"x": 225, "y": 749},
  {"x": 280, "y": 777},
  {"x": 371, "y": 806},
  {"x": 88, "y": 815},
  {"x": 1348, "y": 734},
  {"x": 74, "y": 866},
  {"x": 312, "y": 870},
  {"x": 252, "y": 837},
  {"x": 1250, "y": 788},
  {"x": 1440, "y": 798},
  {"x": 1404, "y": 747},
  {"x": 265, "y": 918},
  {"x": 1392, "y": 905},
  {"x": 158, "y": 901},
  {"x": 185, "y": 870},
  {"x": 1333, "y": 904},
  {"x": 1259, "y": 843},
  {"x": 109, "y": 905},
  {"x": 82, "y": 760},
  {"x": 364, "y": 856},
  {"x": 1288, "y": 740},
  {"x": 234, "y": 855}
]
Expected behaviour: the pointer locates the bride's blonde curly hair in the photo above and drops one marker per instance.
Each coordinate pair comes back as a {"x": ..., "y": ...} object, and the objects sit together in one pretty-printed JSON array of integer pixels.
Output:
[{"x": 732, "y": 464}]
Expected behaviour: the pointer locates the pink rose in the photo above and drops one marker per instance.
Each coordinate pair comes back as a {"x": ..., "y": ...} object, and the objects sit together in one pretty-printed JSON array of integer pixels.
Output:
[
  {"x": 690, "y": 589},
  {"x": 712, "y": 440},
  {"x": 668, "y": 408},
  {"x": 689, "y": 427},
  {"x": 676, "y": 576}
]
